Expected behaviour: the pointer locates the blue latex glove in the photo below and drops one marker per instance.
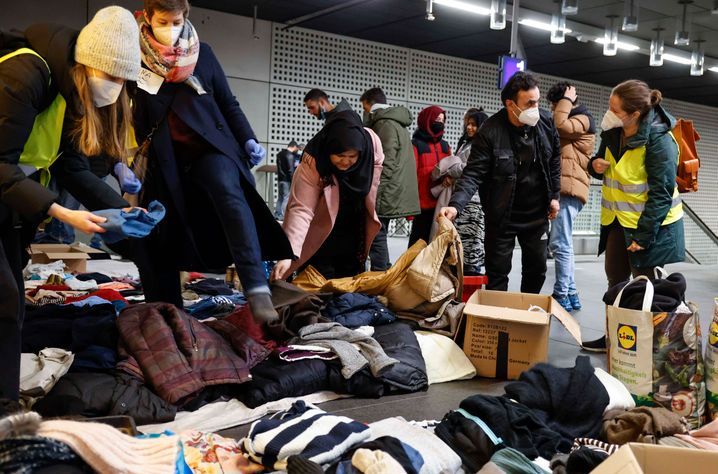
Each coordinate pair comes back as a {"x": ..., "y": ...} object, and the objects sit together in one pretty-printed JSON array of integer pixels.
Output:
[
  {"x": 127, "y": 179},
  {"x": 255, "y": 151}
]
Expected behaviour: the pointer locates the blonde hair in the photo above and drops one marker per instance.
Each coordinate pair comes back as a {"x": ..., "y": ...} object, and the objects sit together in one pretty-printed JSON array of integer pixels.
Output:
[{"x": 104, "y": 130}]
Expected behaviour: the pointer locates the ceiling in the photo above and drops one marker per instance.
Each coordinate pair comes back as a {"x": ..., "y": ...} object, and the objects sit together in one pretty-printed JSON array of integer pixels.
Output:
[{"x": 465, "y": 35}]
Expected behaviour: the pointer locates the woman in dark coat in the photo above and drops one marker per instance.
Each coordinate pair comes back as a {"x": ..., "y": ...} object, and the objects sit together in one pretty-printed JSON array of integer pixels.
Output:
[
  {"x": 72, "y": 84},
  {"x": 200, "y": 150}
]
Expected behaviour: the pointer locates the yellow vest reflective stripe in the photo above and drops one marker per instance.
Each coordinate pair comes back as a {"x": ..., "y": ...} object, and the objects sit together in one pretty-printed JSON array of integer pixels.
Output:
[
  {"x": 43, "y": 145},
  {"x": 625, "y": 189}
]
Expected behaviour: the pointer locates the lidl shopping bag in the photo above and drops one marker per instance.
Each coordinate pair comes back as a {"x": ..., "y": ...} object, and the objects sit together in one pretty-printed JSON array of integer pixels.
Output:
[
  {"x": 657, "y": 355},
  {"x": 712, "y": 366}
]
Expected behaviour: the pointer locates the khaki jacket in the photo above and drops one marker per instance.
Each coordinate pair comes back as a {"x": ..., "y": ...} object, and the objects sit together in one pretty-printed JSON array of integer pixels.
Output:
[
  {"x": 577, "y": 144},
  {"x": 424, "y": 273}
]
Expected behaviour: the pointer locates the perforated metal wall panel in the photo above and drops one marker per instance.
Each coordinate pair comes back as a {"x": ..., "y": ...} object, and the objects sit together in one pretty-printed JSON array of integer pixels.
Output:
[{"x": 345, "y": 67}]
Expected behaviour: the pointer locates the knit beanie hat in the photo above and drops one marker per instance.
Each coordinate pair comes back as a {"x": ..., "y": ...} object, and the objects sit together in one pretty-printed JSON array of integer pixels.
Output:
[{"x": 111, "y": 44}]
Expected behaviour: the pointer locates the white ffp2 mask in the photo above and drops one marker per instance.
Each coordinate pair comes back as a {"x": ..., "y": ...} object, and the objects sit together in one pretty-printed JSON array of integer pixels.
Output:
[
  {"x": 611, "y": 120},
  {"x": 104, "y": 91},
  {"x": 529, "y": 116},
  {"x": 167, "y": 35}
]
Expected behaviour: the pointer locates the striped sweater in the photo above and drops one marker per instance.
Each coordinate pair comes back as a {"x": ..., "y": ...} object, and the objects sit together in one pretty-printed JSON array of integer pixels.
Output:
[{"x": 302, "y": 429}]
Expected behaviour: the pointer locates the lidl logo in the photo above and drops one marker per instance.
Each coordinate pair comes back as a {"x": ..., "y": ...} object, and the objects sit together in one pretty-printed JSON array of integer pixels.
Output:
[
  {"x": 627, "y": 336},
  {"x": 713, "y": 334}
]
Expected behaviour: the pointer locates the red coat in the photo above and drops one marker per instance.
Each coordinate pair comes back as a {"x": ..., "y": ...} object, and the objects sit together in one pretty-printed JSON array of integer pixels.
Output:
[
  {"x": 427, "y": 156},
  {"x": 429, "y": 149}
]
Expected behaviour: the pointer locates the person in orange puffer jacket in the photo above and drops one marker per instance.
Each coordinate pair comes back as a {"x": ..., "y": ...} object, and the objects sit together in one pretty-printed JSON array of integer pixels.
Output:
[{"x": 429, "y": 149}]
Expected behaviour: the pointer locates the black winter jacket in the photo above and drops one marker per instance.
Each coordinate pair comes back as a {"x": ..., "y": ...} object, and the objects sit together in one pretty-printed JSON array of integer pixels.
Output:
[
  {"x": 492, "y": 167},
  {"x": 105, "y": 394},
  {"x": 274, "y": 379},
  {"x": 26, "y": 89},
  {"x": 285, "y": 166}
]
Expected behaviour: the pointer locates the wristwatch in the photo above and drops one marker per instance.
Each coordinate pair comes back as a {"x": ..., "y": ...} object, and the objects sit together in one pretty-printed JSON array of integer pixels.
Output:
[{"x": 572, "y": 101}]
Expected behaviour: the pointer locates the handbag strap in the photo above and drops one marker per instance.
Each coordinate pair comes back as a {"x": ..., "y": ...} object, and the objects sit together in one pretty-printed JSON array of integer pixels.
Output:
[{"x": 647, "y": 297}]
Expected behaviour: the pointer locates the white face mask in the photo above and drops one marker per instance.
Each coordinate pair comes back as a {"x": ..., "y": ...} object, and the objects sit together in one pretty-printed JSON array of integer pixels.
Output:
[
  {"x": 167, "y": 35},
  {"x": 104, "y": 91},
  {"x": 611, "y": 120},
  {"x": 529, "y": 116}
]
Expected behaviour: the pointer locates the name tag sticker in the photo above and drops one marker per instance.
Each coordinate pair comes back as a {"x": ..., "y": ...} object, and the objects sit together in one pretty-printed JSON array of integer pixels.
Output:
[{"x": 149, "y": 81}]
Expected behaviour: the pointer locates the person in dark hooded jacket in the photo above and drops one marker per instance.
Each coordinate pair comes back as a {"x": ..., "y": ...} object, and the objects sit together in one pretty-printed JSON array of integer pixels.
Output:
[
  {"x": 429, "y": 149},
  {"x": 63, "y": 99}
]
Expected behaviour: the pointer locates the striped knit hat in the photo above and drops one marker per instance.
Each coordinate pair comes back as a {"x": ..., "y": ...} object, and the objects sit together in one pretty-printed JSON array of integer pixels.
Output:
[
  {"x": 111, "y": 44},
  {"x": 305, "y": 430}
]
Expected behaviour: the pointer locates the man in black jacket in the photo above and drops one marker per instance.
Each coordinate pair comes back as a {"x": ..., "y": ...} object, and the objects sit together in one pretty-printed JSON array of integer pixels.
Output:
[
  {"x": 317, "y": 103},
  {"x": 515, "y": 164},
  {"x": 285, "y": 171}
]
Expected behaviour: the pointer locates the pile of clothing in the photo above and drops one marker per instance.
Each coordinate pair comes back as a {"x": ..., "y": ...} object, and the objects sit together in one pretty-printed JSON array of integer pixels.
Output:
[
  {"x": 424, "y": 284},
  {"x": 30, "y": 444},
  {"x": 49, "y": 283},
  {"x": 95, "y": 353}
]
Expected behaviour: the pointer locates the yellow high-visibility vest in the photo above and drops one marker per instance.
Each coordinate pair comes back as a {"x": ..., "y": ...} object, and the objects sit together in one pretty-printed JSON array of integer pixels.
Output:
[
  {"x": 625, "y": 189},
  {"x": 42, "y": 147}
]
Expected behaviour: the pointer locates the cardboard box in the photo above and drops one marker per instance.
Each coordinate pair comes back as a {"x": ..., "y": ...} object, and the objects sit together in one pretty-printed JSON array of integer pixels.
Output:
[
  {"x": 74, "y": 256},
  {"x": 92, "y": 252},
  {"x": 635, "y": 458},
  {"x": 503, "y": 338}
]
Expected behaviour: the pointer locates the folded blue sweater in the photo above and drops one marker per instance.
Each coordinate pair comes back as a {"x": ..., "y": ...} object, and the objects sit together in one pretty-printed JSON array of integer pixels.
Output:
[{"x": 135, "y": 223}]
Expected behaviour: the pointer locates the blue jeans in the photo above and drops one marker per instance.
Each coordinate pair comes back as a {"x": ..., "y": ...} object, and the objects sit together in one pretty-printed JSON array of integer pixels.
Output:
[
  {"x": 282, "y": 198},
  {"x": 561, "y": 245},
  {"x": 221, "y": 180}
]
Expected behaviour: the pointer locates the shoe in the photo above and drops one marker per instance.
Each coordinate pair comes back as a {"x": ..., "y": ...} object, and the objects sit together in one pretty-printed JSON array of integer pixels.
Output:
[
  {"x": 564, "y": 302},
  {"x": 575, "y": 302},
  {"x": 599, "y": 345}
]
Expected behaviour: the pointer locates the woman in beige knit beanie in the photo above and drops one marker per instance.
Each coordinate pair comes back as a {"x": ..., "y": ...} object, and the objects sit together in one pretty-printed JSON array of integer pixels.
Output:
[{"x": 63, "y": 99}]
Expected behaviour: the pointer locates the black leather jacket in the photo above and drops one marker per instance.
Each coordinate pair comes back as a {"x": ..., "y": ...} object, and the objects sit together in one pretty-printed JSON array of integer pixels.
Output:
[{"x": 492, "y": 166}]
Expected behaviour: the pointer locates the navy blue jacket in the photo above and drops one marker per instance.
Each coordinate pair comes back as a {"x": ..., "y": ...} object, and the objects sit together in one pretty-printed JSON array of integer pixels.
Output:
[
  {"x": 217, "y": 117},
  {"x": 355, "y": 309}
]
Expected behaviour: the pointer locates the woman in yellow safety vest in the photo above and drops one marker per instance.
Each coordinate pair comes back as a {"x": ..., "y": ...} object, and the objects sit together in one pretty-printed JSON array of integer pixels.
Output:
[
  {"x": 641, "y": 211},
  {"x": 62, "y": 99}
]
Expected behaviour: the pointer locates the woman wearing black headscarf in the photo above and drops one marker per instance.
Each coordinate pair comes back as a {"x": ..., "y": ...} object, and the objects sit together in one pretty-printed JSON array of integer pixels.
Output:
[{"x": 330, "y": 218}]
